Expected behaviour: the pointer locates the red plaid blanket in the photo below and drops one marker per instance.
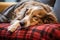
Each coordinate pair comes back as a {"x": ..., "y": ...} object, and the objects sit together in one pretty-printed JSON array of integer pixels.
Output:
[{"x": 42, "y": 32}]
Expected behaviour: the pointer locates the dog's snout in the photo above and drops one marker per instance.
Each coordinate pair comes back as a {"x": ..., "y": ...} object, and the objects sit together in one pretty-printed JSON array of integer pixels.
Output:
[{"x": 22, "y": 23}]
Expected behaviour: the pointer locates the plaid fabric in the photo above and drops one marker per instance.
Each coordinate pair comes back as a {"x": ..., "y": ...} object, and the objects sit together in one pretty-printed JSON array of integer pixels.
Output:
[{"x": 42, "y": 32}]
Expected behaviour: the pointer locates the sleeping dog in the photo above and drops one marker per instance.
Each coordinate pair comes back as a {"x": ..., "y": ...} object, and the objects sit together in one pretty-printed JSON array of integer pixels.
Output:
[{"x": 31, "y": 13}]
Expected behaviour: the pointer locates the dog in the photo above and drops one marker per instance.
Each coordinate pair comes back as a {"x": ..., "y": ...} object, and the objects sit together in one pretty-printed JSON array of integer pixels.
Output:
[{"x": 31, "y": 13}]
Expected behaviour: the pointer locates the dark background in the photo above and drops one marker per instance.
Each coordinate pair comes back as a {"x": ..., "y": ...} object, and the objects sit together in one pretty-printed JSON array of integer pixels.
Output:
[{"x": 9, "y": 1}]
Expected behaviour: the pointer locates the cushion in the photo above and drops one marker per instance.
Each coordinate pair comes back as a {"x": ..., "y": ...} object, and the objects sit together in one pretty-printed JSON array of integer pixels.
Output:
[{"x": 41, "y": 32}]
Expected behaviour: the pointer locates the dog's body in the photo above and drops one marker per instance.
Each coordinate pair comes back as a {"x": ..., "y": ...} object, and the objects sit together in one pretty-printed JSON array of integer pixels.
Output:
[
  {"x": 38, "y": 13},
  {"x": 32, "y": 13}
]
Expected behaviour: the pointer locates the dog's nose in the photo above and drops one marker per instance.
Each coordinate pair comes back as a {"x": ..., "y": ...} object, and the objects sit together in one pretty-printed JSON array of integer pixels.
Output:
[{"x": 22, "y": 23}]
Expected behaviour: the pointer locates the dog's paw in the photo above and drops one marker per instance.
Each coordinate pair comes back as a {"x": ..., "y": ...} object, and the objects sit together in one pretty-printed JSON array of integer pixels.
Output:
[{"x": 14, "y": 26}]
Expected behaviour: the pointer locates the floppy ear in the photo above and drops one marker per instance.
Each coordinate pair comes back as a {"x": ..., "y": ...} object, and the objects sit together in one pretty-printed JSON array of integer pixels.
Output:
[
  {"x": 53, "y": 17},
  {"x": 50, "y": 12}
]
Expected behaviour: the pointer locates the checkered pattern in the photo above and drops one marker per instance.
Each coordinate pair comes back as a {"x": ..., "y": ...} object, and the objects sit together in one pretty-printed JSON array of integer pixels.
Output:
[{"x": 42, "y": 32}]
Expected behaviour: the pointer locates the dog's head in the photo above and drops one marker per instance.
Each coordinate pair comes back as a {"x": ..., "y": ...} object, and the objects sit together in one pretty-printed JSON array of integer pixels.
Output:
[{"x": 35, "y": 14}]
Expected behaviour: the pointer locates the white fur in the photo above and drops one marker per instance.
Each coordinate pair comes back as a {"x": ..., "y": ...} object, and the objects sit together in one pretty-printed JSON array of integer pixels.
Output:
[{"x": 14, "y": 26}]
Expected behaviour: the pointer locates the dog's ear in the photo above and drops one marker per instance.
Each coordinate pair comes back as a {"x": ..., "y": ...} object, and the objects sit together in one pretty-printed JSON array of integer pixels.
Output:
[
  {"x": 53, "y": 17},
  {"x": 50, "y": 13}
]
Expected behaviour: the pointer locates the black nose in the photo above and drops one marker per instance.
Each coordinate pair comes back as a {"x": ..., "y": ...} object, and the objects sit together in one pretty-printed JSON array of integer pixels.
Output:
[{"x": 22, "y": 23}]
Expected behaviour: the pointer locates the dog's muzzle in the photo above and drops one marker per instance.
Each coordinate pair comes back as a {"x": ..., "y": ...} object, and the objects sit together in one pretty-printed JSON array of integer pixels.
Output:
[
  {"x": 25, "y": 22},
  {"x": 22, "y": 24}
]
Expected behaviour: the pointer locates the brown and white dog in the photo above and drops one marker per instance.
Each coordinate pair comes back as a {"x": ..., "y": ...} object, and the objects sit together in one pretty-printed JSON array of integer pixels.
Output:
[{"x": 32, "y": 13}]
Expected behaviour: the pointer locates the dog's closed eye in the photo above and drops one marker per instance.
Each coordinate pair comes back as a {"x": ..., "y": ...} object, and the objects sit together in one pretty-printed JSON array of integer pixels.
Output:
[{"x": 34, "y": 16}]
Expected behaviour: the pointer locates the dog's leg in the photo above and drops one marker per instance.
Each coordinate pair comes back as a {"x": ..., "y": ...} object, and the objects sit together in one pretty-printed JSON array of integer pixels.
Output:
[
  {"x": 15, "y": 23},
  {"x": 14, "y": 26},
  {"x": 19, "y": 15}
]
